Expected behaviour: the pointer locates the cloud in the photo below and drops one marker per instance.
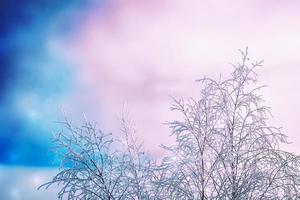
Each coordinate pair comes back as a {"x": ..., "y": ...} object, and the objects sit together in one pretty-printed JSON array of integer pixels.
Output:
[
  {"x": 21, "y": 183},
  {"x": 141, "y": 53}
]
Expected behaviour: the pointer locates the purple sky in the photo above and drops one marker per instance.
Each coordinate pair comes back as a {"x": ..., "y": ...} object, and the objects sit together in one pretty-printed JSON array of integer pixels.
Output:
[{"x": 140, "y": 52}]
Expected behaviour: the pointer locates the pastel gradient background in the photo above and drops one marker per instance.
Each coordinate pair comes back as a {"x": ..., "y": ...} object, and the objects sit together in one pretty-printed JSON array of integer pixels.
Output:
[{"x": 93, "y": 56}]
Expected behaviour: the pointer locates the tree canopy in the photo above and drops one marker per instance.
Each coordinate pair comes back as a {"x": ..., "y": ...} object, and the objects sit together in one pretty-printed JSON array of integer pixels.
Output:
[{"x": 225, "y": 149}]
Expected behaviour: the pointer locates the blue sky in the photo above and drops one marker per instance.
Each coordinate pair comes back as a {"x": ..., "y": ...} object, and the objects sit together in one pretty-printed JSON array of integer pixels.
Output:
[{"x": 32, "y": 81}]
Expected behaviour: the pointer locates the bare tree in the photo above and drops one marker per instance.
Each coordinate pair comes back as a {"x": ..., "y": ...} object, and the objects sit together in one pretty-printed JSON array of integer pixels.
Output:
[
  {"x": 90, "y": 168},
  {"x": 195, "y": 157},
  {"x": 225, "y": 148},
  {"x": 139, "y": 165},
  {"x": 93, "y": 168}
]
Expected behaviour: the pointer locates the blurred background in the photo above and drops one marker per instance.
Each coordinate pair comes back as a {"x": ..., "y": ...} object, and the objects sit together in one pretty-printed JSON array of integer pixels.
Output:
[{"x": 93, "y": 56}]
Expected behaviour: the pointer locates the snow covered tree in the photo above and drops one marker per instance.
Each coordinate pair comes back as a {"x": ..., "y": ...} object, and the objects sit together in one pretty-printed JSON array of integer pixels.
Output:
[
  {"x": 90, "y": 168},
  {"x": 96, "y": 166},
  {"x": 139, "y": 165},
  {"x": 225, "y": 148}
]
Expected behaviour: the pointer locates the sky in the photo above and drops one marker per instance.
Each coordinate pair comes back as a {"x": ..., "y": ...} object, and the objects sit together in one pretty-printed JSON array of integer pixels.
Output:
[{"x": 92, "y": 57}]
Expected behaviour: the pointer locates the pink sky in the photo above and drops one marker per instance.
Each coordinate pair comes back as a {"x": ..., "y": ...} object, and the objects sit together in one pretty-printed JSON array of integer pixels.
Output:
[{"x": 140, "y": 52}]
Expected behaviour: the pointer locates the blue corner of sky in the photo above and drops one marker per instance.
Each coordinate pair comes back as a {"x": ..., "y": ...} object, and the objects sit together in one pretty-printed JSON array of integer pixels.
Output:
[{"x": 32, "y": 81}]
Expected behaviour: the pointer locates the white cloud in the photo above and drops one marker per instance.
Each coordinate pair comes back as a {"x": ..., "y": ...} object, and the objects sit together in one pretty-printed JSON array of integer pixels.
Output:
[{"x": 22, "y": 183}]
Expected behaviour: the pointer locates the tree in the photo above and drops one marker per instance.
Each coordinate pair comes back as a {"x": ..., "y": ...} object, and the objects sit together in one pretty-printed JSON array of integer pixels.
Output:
[
  {"x": 140, "y": 166},
  {"x": 90, "y": 169},
  {"x": 93, "y": 167},
  {"x": 225, "y": 148}
]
